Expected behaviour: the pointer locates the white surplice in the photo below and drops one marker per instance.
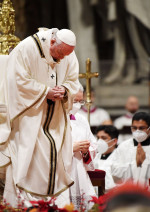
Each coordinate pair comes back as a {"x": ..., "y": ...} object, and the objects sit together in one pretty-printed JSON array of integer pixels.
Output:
[
  {"x": 97, "y": 115},
  {"x": 105, "y": 165},
  {"x": 120, "y": 123},
  {"x": 82, "y": 183},
  {"x": 40, "y": 144},
  {"x": 123, "y": 163}
]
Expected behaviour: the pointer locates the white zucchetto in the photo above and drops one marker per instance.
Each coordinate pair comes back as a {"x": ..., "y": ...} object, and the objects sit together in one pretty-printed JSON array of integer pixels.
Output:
[{"x": 67, "y": 36}]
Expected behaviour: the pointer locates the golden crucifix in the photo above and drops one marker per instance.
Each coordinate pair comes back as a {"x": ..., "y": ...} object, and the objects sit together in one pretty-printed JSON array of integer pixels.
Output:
[{"x": 88, "y": 75}]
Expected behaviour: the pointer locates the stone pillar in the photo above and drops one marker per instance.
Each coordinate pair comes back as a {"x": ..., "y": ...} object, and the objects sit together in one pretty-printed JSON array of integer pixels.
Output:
[{"x": 86, "y": 47}]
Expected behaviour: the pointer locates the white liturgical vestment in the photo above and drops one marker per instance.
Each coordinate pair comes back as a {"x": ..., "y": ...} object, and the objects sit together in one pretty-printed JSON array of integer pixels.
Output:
[
  {"x": 125, "y": 120},
  {"x": 82, "y": 183},
  {"x": 123, "y": 162},
  {"x": 40, "y": 146},
  {"x": 97, "y": 115},
  {"x": 120, "y": 123},
  {"x": 103, "y": 164}
]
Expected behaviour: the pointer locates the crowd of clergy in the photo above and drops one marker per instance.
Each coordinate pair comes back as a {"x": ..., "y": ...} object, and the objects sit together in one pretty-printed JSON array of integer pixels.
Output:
[{"x": 123, "y": 157}]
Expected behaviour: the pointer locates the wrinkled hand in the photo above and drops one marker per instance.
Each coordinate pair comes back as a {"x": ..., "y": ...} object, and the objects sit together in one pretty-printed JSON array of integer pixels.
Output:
[
  {"x": 56, "y": 93},
  {"x": 140, "y": 155},
  {"x": 82, "y": 146}
]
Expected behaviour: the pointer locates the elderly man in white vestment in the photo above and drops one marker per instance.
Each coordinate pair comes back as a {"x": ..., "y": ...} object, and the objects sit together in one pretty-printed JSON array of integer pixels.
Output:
[
  {"x": 131, "y": 160},
  {"x": 42, "y": 79},
  {"x": 84, "y": 149}
]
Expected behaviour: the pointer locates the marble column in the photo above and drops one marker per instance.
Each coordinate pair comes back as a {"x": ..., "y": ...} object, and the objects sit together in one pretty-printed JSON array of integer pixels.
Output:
[{"x": 86, "y": 47}]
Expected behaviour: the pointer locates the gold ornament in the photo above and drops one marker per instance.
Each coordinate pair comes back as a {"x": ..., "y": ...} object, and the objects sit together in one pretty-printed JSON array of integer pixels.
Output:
[
  {"x": 88, "y": 76},
  {"x": 7, "y": 28}
]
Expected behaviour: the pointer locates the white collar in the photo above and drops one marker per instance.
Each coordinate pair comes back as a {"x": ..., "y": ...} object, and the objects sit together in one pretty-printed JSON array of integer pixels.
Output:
[{"x": 45, "y": 38}]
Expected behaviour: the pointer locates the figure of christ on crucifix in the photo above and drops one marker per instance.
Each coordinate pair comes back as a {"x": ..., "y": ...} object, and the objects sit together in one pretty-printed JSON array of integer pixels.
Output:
[{"x": 88, "y": 75}]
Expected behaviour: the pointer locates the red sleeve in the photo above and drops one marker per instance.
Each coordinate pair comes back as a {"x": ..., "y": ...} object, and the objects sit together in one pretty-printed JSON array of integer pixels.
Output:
[{"x": 88, "y": 159}]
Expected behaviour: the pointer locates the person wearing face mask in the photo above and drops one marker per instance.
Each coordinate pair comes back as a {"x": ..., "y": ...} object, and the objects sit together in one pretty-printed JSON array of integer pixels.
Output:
[
  {"x": 131, "y": 160},
  {"x": 84, "y": 151},
  {"x": 107, "y": 137},
  {"x": 131, "y": 106}
]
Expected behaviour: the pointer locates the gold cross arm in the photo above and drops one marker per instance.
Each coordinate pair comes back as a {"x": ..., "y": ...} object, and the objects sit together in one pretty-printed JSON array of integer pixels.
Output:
[{"x": 88, "y": 75}]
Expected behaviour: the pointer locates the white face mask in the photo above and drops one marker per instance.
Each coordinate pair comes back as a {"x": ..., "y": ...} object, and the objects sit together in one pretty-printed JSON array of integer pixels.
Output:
[
  {"x": 103, "y": 145},
  {"x": 75, "y": 108},
  {"x": 140, "y": 135}
]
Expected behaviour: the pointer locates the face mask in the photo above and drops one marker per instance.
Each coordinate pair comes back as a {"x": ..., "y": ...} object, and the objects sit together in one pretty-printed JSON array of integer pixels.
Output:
[
  {"x": 140, "y": 135},
  {"x": 75, "y": 108},
  {"x": 103, "y": 145}
]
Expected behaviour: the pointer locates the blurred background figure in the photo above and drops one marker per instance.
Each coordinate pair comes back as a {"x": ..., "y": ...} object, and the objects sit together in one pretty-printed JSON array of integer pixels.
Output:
[
  {"x": 107, "y": 136},
  {"x": 128, "y": 198},
  {"x": 98, "y": 116},
  {"x": 123, "y": 122}
]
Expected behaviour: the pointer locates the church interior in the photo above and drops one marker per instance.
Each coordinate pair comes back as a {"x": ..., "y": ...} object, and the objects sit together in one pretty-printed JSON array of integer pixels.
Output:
[
  {"x": 119, "y": 56},
  {"x": 113, "y": 47}
]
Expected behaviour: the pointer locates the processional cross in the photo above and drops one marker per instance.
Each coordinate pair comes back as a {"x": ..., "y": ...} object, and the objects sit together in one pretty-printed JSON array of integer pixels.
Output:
[{"x": 88, "y": 75}]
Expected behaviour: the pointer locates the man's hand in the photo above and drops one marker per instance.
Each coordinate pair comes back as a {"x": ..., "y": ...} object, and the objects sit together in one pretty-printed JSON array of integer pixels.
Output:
[
  {"x": 82, "y": 146},
  {"x": 56, "y": 93},
  {"x": 140, "y": 155}
]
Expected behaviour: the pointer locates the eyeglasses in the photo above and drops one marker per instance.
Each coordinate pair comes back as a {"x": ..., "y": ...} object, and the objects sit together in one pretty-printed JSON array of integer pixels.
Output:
[
  {"x": 142, "y": 128},
  {"x": 81, "y": 102}
]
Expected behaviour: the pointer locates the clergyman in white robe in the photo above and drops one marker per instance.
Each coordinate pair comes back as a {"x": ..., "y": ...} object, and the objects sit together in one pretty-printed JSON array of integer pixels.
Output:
[
  {"x": 82, "y": 183},
  {"x": 123, "y": 163},
  {"x": 39, "y": 145}
]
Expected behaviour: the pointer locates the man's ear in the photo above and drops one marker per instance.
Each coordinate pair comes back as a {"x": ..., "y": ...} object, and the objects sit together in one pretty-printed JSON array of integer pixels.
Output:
[
  {"x": 115, "y": 140},
  {"x": 53, "y": 41}
]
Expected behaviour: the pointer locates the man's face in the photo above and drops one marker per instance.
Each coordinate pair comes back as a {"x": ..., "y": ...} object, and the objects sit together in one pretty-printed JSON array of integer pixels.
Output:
[
  {"x": 106, "y": 137},
  {"x": 132, "y": 104},
  {"x": 140, "y": 125},
  {"x": 59, "y": 51},
  {"x": 78, "y": 97}
]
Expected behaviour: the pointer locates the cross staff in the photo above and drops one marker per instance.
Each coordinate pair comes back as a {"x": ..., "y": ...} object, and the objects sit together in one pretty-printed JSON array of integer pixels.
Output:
[{"x": 88, "y": 75}]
